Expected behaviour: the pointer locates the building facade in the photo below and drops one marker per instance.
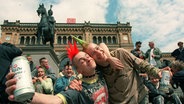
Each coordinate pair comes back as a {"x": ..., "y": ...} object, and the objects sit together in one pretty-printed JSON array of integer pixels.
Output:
[{"x": 114, "y": 35}]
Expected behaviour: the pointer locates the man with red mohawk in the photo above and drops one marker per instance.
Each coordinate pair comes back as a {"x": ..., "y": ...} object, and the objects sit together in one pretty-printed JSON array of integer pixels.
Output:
[
  {"x": 119, "y": 68},
  {"x": 94, "y": 87}
]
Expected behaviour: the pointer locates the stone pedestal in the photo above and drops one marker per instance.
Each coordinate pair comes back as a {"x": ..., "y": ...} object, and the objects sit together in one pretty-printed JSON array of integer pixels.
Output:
[{"x": 39, "y": 51}]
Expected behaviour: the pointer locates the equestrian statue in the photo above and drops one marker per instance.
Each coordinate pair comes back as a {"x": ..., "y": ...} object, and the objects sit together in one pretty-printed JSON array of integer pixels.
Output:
[{"x": 46, "y": 27}]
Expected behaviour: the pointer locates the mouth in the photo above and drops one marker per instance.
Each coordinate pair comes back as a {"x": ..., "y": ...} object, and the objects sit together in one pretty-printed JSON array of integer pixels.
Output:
[{"x": 90, "y": 62}]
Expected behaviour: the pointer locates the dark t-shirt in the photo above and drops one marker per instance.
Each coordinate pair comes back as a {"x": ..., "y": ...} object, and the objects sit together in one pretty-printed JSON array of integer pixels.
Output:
[
  {"x": 95, "y": 93},
  {"x": 7, "y": 53},
  {"x": 178, "y": 79}
]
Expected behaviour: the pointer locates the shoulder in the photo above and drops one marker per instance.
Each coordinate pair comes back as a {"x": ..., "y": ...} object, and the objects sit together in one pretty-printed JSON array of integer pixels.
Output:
[
  {"x": 132, "y": 51},
  {"x": 156, "y": 49},
  {"x": 119, "y": 50}
]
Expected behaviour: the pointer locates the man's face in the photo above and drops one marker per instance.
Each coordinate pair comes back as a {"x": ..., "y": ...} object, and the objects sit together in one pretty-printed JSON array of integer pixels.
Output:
[
  {"x": 44, "y": 63},
  {"x": 84, "y": 63},
  {"x": 154, "y": 80},
  {"x": 138, "y": 46},
  {"x": 41, "y": 72},
  {"x": 151, "y": 44},
  {"x": 97, "y": 53},
  {"x": 68, "y": 71},
  {"x": 29, "y": 58},
  {"x": 180, "y": 45}
]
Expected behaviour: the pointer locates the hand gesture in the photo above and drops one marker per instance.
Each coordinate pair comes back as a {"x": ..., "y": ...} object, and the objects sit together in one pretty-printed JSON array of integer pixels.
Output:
[
  {"x": 34, "y": 79},
  {"x": 115, "y": 63},
  {"x": 44, "y": 77},
  {"x": 76, "y": 85},
  {"x": 40, "y": 79}
]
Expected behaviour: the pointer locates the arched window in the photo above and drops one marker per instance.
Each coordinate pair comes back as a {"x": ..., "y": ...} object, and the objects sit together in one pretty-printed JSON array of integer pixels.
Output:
[
  {"x": 33, "y": 40},
  {"x": 109, "y": 39},
  {"x": 70, "y": 39},
  {"x": 59, "y": 40},
  {"x": 27, "y": 40},
  {"x": 99, "y": 40},
  {"x": 94, "y": 40},
  {"x": 114, "y": 40},
  {"x": 104, "y": 39},
  {"x": 22, "y": 40},
  {"x": 64, "y": 40},
  {"x": 80, "y": 37}
]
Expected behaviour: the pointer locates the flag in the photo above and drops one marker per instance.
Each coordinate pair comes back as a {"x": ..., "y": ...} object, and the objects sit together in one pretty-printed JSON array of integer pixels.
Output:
[{"x": 71, "y": 20}]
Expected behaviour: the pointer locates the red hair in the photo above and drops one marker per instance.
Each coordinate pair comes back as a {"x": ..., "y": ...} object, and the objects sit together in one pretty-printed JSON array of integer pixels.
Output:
[{"x": 72, "y": 50}]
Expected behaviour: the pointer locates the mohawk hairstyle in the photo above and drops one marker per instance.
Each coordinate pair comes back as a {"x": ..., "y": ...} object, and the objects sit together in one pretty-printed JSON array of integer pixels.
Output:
[{"x": 72, "y": 50}]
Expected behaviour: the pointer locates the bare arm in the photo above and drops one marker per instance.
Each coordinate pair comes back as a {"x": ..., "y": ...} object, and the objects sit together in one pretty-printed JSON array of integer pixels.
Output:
[
  {"x": 37, "y": 98},
  {"x": 45, "y": 99},
  {"x": 114, "y": 62}
]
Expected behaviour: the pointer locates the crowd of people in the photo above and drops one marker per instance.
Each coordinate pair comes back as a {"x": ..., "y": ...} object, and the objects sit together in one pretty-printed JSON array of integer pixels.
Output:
[{"x": 108, "y": 77}]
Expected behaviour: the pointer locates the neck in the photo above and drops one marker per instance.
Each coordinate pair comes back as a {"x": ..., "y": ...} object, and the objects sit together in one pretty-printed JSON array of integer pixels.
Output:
[
  {"x": 90, "y": 80},
  {"x": 90, "y": 76}
]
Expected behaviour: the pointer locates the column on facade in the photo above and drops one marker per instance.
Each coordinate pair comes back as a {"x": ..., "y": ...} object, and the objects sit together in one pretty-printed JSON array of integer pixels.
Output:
[{"x": 129, "y": 38}]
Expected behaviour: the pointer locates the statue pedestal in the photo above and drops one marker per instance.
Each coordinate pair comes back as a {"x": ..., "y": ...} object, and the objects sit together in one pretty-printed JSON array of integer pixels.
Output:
[{"x": 39, "y": 51}]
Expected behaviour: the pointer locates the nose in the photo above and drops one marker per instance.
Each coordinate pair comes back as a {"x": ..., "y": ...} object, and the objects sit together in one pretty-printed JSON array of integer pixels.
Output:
[{"x": 97, "y": 52}]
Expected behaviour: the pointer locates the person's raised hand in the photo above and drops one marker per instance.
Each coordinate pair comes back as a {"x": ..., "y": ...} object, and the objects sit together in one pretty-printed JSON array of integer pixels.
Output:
[
  {"x": 76, "y": 85},
  {"x": 10, "y": 85},
  {"x": 115, "y": 63}
]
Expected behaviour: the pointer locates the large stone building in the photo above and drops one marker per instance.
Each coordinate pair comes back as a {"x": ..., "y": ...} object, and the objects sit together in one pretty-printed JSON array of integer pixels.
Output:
[{"x": 23, "y": 35}]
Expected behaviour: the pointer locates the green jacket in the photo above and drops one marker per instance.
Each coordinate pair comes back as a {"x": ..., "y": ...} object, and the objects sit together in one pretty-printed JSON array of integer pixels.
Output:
[{"x": 158, "y": 56}]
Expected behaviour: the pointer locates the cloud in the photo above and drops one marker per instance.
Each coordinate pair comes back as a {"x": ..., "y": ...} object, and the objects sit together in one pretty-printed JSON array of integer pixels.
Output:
[
  {"x": 13, "y": 10},
  {"x": 82, "y": 10},
  {"x": 159, "y": 21}
]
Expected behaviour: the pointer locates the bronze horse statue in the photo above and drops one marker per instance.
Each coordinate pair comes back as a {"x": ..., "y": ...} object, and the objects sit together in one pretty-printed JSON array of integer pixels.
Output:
[{"x": 46, "y": 26}]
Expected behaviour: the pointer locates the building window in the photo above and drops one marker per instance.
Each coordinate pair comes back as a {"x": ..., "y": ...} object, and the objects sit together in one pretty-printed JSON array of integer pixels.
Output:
[
  {"x": 125, "y": 37},
  {"x": 104, "y": 39},
  {"x": 94, "y": 40},
  {"x": 27, "y": 40},
  {"x": 64, "y": 40},
  {"x": 70, "y": 39},
  {"x": 8, "y": 38},
  {"x": 22, "y": 40},
  {"x": 114, "y": 40},
  {"x": 80, "y": 37},
  {"x": 33, "y": 40},
  {"x": 99, "y": 40},
  {"x": 59, "y": 40}
]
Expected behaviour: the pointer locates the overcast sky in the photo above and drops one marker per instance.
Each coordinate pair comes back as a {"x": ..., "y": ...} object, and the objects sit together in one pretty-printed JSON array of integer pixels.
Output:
[{"x": 161, "y": 21}]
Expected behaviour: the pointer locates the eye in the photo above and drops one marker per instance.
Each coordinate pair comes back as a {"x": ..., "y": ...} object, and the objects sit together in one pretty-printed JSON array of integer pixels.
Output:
[
  {"x": 87, "y": 56},
  {"x": 97, "y": 48},
  {"x": 82, "y": 60}
]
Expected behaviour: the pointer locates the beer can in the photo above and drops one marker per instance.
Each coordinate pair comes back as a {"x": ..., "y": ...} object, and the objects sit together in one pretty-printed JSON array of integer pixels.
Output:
[
  {"x": 24, "y": 86},
  {"x": 165, "y": 81}
]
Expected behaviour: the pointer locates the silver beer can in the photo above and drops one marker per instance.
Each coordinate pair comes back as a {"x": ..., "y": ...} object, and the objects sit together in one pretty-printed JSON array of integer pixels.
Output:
[
  {"x": 165, "y": 80},
  {"x": 24, "y": 86}
]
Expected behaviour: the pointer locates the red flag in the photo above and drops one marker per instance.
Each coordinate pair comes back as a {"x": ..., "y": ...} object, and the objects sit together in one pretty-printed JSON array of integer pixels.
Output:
[{"x": 71, "y": 20}]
